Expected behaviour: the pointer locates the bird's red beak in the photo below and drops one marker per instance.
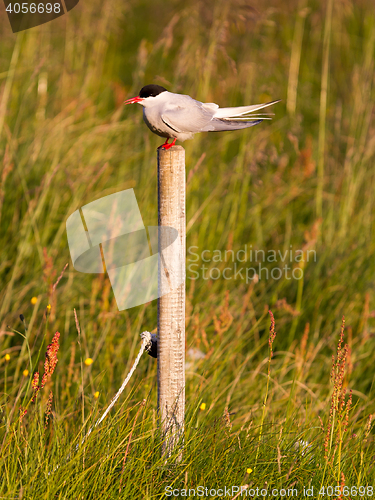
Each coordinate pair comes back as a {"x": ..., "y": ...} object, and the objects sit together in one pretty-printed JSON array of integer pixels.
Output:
[{"x": 133, "y": 100}]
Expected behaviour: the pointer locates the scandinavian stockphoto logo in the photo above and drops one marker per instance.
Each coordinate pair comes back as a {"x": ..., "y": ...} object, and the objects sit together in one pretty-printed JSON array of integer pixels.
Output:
[
  {"x": 25, "y": 15},
  {"x": 108, "y": 235}
]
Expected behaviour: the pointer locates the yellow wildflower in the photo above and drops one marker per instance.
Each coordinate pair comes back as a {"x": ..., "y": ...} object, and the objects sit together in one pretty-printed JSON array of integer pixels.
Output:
[
  {"x": 249, "y": 471},
  {"x": 34, "y": 300},
  {"x": 96, "y": 394},
  {"x": 49, "y": 307},
  {"x": 7, "y": 357},
  {"x": 89, "y": 361},
  {"x": 202, "y": 406},
  {"x": 25, "y": 373}
]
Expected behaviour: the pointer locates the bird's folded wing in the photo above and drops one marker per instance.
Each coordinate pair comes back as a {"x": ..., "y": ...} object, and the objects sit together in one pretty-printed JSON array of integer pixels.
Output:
[
  {"x": 188, "y": 118},
  {"x": 193, "y": 116},
  {"x": 221, "y": 124}
]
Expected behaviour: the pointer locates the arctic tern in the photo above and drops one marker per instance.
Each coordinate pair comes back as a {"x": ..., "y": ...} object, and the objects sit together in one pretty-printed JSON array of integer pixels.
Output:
[{"x": 179, "y": 117}]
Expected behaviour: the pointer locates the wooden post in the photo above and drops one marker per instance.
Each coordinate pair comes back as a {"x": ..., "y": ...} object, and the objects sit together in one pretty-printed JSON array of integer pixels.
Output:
[{"x": 171, "y": 306}]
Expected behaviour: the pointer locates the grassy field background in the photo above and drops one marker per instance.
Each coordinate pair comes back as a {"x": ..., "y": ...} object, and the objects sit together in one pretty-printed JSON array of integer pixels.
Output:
[{"x": 305, "y": 181}]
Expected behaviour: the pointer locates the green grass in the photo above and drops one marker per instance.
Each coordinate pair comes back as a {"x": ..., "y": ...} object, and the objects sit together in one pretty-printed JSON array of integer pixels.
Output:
[{"x": 304, "y": 181}]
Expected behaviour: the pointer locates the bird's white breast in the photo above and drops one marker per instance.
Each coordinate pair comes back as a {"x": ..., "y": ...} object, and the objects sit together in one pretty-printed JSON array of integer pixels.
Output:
[{"x": 152, "y": 118}]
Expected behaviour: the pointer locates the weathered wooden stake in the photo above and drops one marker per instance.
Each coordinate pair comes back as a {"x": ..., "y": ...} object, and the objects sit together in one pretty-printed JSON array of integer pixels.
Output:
[{"x": 171, "y": 307}]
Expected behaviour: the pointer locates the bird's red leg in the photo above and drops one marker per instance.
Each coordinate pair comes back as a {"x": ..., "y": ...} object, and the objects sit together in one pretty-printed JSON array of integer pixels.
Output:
[{"x": 166, "y": 145}]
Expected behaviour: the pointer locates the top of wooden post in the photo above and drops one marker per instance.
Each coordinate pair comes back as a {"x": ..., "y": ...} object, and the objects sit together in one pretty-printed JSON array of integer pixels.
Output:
[{"x": 175, "y": 148}]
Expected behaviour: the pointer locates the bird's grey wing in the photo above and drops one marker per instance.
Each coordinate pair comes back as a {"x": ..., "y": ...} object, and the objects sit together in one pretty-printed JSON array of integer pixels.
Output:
[
  {"x": 220, "y": 124},
  {"x": 188, "y": 115}
]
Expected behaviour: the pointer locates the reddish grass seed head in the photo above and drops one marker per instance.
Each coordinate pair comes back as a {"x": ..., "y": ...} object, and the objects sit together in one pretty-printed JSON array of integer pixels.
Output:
[
  {"x": 339, "y": 407},
  {"x": 35, "y": 382},
  {"x": 51, "y": 359},
  {"x": 22, "y": 413},
  {"x": 272, "y": 336},
  {"x": 35, "y": 385},
  {"x": 48, "y": 409},
  {"x": 49, "y": 366}
]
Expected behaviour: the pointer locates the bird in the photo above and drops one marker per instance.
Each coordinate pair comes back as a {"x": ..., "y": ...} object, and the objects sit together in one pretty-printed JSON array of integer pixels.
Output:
[{"x": 179, "y": 116}]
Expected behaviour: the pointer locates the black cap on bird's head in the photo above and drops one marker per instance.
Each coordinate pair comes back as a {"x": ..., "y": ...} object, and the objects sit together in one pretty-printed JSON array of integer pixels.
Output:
[
  {"x": 151, "y": 91},
  {"x": 147, "y": 91}
]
